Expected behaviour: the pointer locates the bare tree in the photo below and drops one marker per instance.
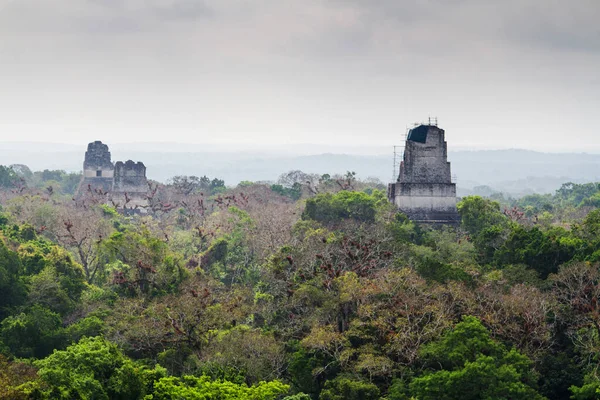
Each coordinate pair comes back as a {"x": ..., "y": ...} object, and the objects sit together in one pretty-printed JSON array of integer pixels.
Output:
[{"x": 81, "y": 230}]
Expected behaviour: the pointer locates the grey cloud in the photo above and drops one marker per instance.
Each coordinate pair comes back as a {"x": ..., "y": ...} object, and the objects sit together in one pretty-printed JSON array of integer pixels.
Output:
[
  {"x": 337, "y": 66},
  {"x": 99, "y": 16},
  {"x": 573, "y": 28},
  {"x": 331, "y": 27},
  {"x": 113, "y": 25},
  {"x": 184, "y": 10},
  {"x": 554, "y": 24}
]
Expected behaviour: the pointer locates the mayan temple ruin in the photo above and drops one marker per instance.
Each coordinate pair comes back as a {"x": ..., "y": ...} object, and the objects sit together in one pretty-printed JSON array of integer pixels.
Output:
[
  {"x": 98, "y": 169},
  {"x": 424, "y": 190},
  {"x": 124, "y": 183}
]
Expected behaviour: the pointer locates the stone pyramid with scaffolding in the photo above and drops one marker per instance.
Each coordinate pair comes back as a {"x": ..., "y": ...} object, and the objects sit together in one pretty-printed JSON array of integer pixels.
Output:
[{"x": 424, "y": 190}]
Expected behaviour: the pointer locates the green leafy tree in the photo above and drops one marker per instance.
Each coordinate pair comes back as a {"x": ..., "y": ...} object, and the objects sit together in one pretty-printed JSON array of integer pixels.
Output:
[
  {"x": 294, "y": 192},
  {"x": 34, "y": 333},
  {"x": 478, "y": 214},
  {"x": 343, "y": 388},
  {"x": 142, "y": 263},
  {"x": 575, "y": 194},
  {"x": 67, "y": 272},
  {"x": 541, "y": 251},
  {"x": 89, "y": 326},
  {"x": 217, "y": 185},
  {"x": 590, "y": 390},
  {"x": 444, "y": 256},
  {"x": 203, "y": 388},
  {"x": 22, "y": 171},
  {"x": 299, "y": 396},
  {"x": 7, "y": 176},
  {"x": 257, "y": 355},
  {"x": 188, "y": 185},
  {"x": 60, "y": 284},
  {"x": 12, "y": 289},
  {"x": 589, "y": 230},
  {"x": 327, "y": 207},
  {"x": 536, "y": 203},
  {"x": 46, "y": 290},
  {"x": 301, "y": 366},
  {"x": 467, "y": 363},
  {"x": 93, "y": 369},
  {"x": 33, "y": 256}
]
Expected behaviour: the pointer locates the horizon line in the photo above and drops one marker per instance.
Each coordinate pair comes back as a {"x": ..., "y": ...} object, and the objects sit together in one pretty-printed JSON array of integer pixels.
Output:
[{"x": 256, "y": 148}]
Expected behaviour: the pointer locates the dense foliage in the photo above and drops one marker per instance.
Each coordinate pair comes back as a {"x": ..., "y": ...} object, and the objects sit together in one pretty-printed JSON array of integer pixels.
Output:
[{"x": 312, "y": 287}]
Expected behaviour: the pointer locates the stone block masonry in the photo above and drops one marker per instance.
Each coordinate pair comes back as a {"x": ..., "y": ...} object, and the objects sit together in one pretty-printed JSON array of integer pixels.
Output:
[
  {"x": 98, "y": 169},
  {"x": 130, "y": 177},
  {"x": 424, "y": 190}
]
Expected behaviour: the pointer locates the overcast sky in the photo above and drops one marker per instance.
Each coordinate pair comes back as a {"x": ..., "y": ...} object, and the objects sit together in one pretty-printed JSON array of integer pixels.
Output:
[{"x": 497, "y": 74}]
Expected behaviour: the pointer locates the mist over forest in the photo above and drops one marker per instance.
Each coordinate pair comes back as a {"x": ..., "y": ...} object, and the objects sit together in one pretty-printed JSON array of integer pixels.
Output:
[{"x": 513, "y": 172}]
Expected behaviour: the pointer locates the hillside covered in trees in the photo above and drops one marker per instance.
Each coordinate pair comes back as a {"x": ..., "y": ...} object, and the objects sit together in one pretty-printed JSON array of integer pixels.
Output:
[{"x": 314, "y": 287}]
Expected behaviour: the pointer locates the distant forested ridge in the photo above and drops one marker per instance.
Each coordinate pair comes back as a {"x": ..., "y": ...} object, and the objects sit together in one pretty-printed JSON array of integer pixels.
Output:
[
  {"x": 512, "y": 171},
  {"x": 309, "y": 287}
]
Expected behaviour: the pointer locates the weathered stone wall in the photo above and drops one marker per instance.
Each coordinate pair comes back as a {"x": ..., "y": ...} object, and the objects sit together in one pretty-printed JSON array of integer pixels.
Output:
[
  {"x": 98, "y": 169},
  {"x": 97, "y": 156},
  {"x": 426, "y": 204},
  {"x": 98, "y": 173},
  {"x": 130, "y": 177},
  {"x": 426, "y": 162},
  {"x": 427, "y": 189},
  {"x": 424, "y": 189}
]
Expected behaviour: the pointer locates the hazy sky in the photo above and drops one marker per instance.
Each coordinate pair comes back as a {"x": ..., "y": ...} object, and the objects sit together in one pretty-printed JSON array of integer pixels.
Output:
[{"x": 511, "y": 73}]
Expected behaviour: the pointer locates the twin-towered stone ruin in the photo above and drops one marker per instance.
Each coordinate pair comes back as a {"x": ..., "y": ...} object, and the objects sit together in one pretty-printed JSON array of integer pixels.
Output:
[
  {"x": 123, "y": 181},
  {"x": 424, "y": 190}
]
